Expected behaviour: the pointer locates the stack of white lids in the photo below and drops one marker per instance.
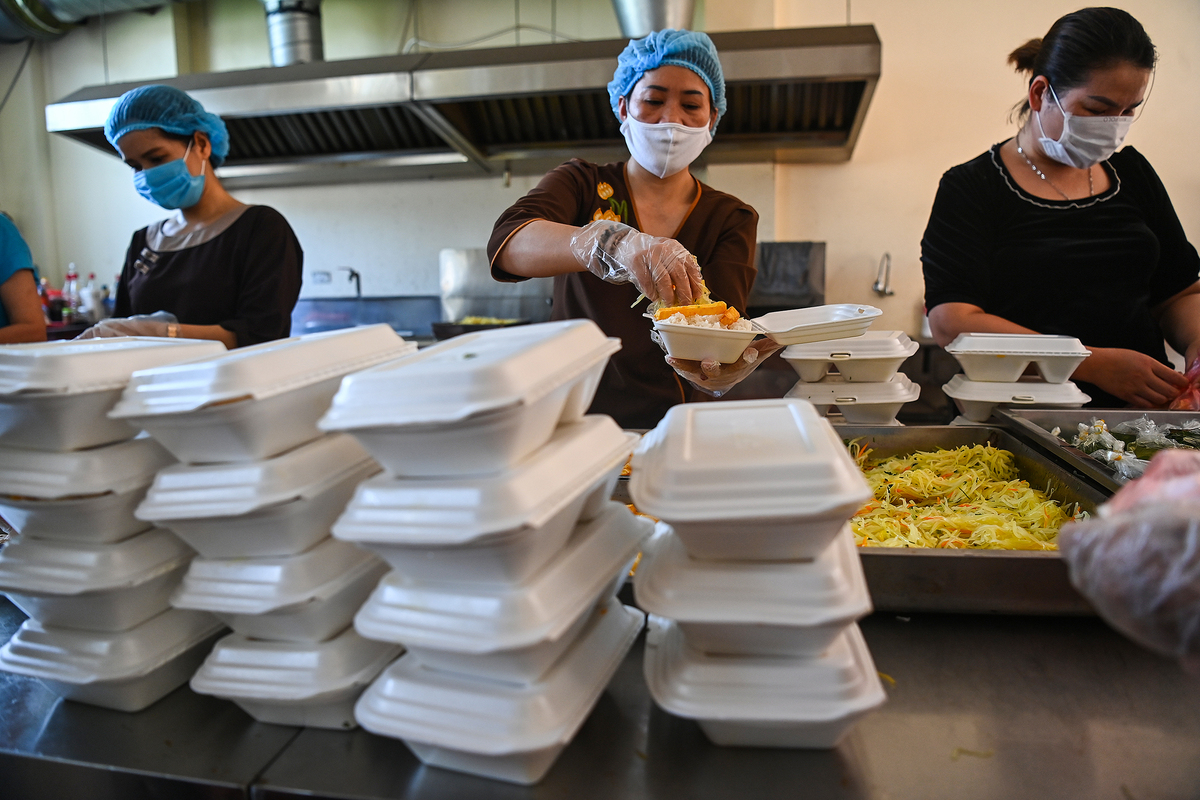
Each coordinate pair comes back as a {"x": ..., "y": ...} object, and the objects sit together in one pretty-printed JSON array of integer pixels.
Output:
[
  {"x": 493, "y": 513},
  {"x": 94, "y": 579},
  {"x": 868, "y": 388},
  {"x": 994, "y": 364},
  {"x": 753, "y": 574}
]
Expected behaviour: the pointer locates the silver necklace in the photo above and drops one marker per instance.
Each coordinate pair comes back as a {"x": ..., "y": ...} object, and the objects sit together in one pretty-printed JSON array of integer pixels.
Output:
[{"x": 1042, "y": 175}]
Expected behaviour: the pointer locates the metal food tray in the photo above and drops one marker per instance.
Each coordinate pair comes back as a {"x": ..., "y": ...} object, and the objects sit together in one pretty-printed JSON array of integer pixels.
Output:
[
  {"x": 974, "y": 581},
  {"x": 1035, "y": 425}
]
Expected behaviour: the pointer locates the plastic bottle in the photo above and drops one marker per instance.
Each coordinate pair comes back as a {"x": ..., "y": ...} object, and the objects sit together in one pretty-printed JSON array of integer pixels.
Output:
[
  {"x": 93, "y": 300},
  {"x": 70, "y": 292}
]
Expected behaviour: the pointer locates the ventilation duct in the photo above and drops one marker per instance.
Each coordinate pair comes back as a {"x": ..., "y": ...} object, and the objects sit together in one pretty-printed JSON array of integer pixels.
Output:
[
  {"x": 639, "y": 17},
  {"x": 50, "y": 19},
  {"x": 294, "y": 31}
]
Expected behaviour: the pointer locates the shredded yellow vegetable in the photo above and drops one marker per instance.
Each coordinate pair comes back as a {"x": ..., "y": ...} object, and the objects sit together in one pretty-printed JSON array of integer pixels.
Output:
[{"x": 969, "y": 497}]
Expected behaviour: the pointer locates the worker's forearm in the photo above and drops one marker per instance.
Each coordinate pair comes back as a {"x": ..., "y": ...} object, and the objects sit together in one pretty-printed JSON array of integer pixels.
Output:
[
  {"x": 1180, "y": 322},
  {"x": 213, "y": 332},
  {"x": 23, "y": 332},
  {"x": 541, "y": 249},
  {"x": 948, "y": 320}
]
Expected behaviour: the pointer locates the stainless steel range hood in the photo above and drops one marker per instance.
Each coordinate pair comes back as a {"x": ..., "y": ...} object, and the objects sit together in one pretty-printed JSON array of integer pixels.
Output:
[{"x": 794, "y": 96}]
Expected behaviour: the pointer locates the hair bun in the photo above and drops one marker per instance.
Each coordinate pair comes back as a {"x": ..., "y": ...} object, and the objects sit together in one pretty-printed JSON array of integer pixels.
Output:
[{"x": 1025, "y": 56}]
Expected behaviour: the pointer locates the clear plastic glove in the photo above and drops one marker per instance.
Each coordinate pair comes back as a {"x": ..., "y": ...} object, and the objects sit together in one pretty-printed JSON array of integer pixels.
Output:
[
  {"x": 715, "y": 378},
  {"x": 661, "y": 269},
  {"x": 141, "y": 325}
]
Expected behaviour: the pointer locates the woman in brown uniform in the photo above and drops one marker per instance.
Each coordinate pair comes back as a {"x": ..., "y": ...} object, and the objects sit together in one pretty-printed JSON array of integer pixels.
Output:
[{"x": 610, "y": 232}]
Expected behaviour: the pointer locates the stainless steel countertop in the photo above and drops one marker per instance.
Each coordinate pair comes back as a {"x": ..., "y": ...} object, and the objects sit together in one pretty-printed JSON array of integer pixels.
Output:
[{"x": 982, "y": 707}]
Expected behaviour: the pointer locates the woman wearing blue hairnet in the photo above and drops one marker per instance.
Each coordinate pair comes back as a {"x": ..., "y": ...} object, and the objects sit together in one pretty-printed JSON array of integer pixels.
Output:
[
  {"x": 217, "y": 268},
  {"x": 610, "y": 232}
]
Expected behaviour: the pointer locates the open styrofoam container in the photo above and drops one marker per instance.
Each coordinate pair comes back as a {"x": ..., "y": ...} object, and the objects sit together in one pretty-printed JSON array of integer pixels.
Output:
[
  {"x": 749, "y": 480},
  {"x": 124, "y": 671},
  {"x": 99, "y": 587},
  {"x": 977, "y": 399},
  {"x": 493, "y": 530},
  {"x": 786, "y": 608},
  {"x": 56, "y": 395},
  {"x": 817, "y": 323},
  {"x": 97, "y": 518},
  {"x": 295, "y": 683},
  {"x": 508, "y": 732},
  {"x": 1004, "y": 357},
  {"x": 483, "y": 619},
  {"x": 475, "y": 404},
  {"x": 873, "y": 357},
  {"x": 700, "y": 344},
  {"x": 860, "y": 403},
  {"x": 114, "y": 468},
  {"x": 277, "y": 506},
  {"x": 254, "y": 402},
  {"x": 764, "y": 701}
]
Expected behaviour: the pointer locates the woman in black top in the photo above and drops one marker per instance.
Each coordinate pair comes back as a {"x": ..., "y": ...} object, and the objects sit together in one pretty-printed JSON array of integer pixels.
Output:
[
  {"x": 1054, "y": 232},
  {"x": 216, "y": 269}
]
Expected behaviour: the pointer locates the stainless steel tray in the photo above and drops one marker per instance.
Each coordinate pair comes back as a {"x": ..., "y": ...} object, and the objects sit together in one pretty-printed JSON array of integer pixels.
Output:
[
  {"x": 974, "y": 581},
  {"x": 1034, "y": 425}
]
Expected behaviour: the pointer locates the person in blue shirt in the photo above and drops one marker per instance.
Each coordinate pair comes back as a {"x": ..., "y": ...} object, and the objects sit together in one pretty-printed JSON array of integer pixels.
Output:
[{"x": 21, "y": 317}]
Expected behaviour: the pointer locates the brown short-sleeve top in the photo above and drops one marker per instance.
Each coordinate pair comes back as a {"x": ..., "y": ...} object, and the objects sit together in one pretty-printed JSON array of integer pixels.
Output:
[{"x": 638, "y": 386}]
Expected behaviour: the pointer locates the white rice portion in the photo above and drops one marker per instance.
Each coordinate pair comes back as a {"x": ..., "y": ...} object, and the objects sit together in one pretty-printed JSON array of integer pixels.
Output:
[{"x": 708, "y": 321}]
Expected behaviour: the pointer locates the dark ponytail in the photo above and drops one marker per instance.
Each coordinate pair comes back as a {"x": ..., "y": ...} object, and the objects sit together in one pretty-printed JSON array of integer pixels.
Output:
[{"x": 1085, "y": 40}]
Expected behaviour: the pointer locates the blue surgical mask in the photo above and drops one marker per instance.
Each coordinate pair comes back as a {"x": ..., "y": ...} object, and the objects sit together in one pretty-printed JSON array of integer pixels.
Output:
[{"x": 171, "y": 185}]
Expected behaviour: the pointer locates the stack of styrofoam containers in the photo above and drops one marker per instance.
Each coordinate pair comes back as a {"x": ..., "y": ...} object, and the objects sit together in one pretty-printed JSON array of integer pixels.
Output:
[
  {"x": 256, "y": 496},
  {"x": 868, "y": 388},
  {"x": 505, "y": 550},
  {"x": 94, "y": 580},
  {"x": 752, "y": 579},
  {"x": 995, "y": 362}
]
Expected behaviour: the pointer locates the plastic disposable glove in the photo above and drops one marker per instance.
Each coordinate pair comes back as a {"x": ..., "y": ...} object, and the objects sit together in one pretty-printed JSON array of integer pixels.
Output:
[
  {"x": 141, "y": 325},
  {"x": 661, "y": 269},
  {"x": 715, "y": 378}
]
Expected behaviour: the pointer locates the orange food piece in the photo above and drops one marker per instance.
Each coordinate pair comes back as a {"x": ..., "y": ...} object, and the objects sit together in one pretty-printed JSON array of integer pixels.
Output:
[
  {"x": 703, "y": 310},
  {"x": 729, "y": 317}
]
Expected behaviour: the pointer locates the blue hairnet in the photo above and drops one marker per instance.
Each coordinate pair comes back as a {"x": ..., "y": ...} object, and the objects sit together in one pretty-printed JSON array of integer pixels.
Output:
[
  {"x": 689, "y": 49},
  {"x": 168, "y": 108}
]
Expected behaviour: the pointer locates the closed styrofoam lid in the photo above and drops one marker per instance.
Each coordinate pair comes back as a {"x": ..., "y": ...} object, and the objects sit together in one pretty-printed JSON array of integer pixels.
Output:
[
  {"x": 831, "y": 587},
  {"x": 872, "y": 344},
  {"x": 747, "y": 458},
  {"x": 836, "y": 390},
  {"x": 259, "y": 585},
  {"x": 486, "y": 619},
  {"x": 224, "y": 490},
  {"x": 813, "y": 317},
  {"x": 840, "y": 681},
  {"x": 91, "y": 365},
  {"x": 418, "y": 704},
  {"x": 115, "y": 468},
  {"x": 259, "y": 371},
  {"x": 1023, "y": 344},
  {"x": 256, "y": 669},
  {"x": 83, "y": 657},
  {"x": 447, "y": 511},
  {"x": 58, "y": 567},
  {"x": 1023, "y": 391},
  {"x": 470, "y": 374}
]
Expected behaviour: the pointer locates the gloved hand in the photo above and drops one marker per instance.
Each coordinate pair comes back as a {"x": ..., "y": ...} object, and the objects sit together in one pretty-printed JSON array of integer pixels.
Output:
[
  {"x": 715, "y": 378},
  {"x": 661, "y": 269},
  {"x": 141, "y": 325}
]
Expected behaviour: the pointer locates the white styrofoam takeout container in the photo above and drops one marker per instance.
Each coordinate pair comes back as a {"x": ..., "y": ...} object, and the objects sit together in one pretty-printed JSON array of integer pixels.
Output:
[
  {"x": 97, "y": 518},
  {"x": 254, "y": 402},
  {"x": 56, "y": 395},
  {"x": 113, "y": 468},
  {"x": 817, "y": 323},
  {"x": 476, "y": 404},
  {"x": 306, "y": 597},
  {"x": 483, "y": 619},
  {"x": 860, "y": 403},
  {"x": 787, "y": 608},
  {"x": 700, "y": 344},
  {"x": 125, "y": 671},
  {"x": 977, "y": 399},
  {"x": 873, "y": 357},
  {"x": 493, "y": 530},
  {"x": 1004, "y": 357},
  {"x": 750, "y": 480},
  {"x": 508, "y": 732},
  {"x": 295, "y": 683},
  {"x": 764, "y": 701},
  {"x": 275, "y": 507},
  {"x": 97, "y": 587}
]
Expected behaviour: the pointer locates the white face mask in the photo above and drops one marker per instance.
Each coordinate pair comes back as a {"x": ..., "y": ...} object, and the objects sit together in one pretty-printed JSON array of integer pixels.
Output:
[
  {"x": 1085, "y": 140},
  {"x": 664, "y": 148}
]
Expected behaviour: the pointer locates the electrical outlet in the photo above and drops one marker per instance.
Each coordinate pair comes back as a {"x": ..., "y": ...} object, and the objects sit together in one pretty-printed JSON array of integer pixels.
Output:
[{"x": 321, "y": 276}]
